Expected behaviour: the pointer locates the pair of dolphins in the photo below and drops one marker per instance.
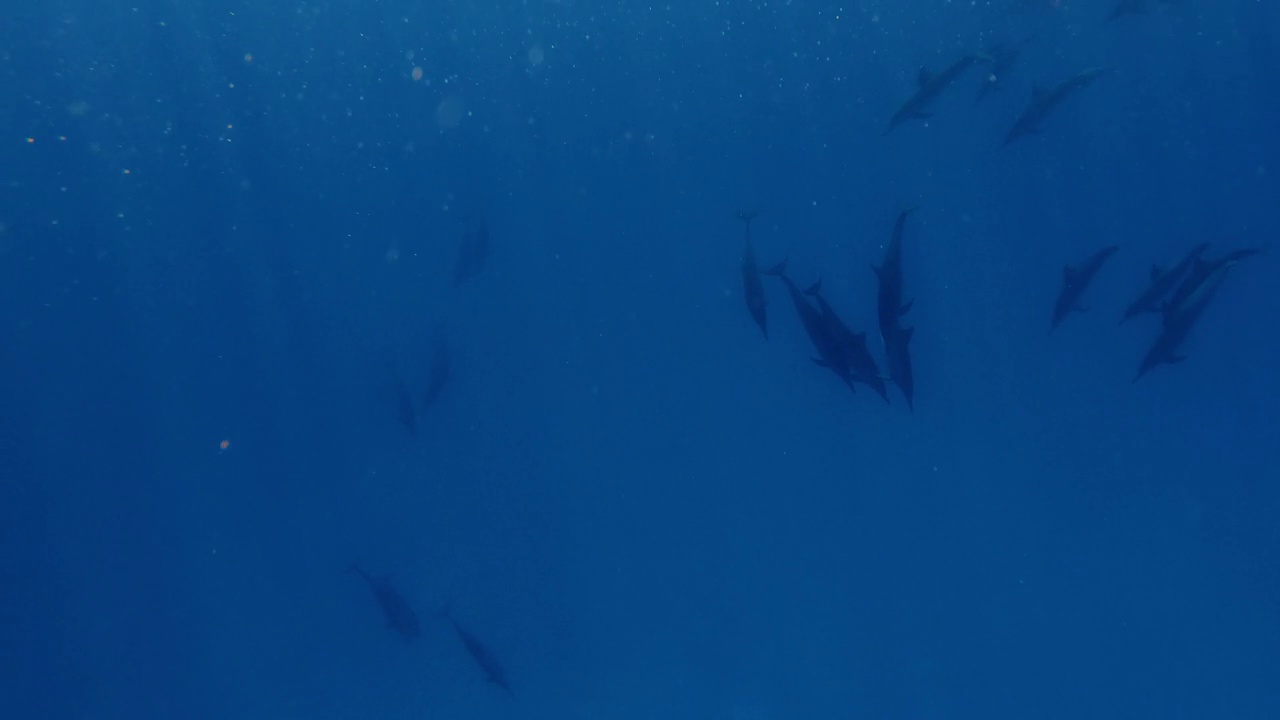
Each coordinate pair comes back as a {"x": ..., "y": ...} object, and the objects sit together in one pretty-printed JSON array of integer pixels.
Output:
[{"x": 839, "y": 349}]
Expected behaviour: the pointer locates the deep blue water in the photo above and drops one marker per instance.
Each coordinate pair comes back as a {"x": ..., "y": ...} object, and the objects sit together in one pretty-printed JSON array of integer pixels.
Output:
[{"x": 237, "y": 223}]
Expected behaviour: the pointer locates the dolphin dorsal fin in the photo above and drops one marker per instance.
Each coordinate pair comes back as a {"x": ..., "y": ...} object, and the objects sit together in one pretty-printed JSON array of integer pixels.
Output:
[{"x": 923, "y": 77}]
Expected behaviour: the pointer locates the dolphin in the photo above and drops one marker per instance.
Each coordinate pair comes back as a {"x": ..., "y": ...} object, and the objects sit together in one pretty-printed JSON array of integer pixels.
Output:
[
  {"x": 400, "y": 617},
  {"x": 830, "y": 352},
  {"x": 1179, "y": 319},
  {"x": 1075, "y": 280},
  {"x": 928, "y": 88},
  {"x": 1003, "y": 57},
  {"x": 862, "y": 367},
  {"x": 752, "y": 286},
  {"x": 889, "y": 311},
  {"x": 484, "y": 658},
  {"x": 1043, "y": 102},
  {"x": 1163, "y": 280}
]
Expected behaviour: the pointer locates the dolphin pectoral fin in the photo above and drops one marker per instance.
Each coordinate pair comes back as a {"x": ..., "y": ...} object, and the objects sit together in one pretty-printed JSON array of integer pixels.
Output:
[
  {"x": 875, "y": 270},
  {"x": 1156, "y": 272},
  {"x": 815, "y": 288},
  {"x": 923, "y": 115},
  {"x": 779, "y": 270},
  {"x": 1080, "y": 309},
  {"x": 924, "y": 77},
  {"x": 906, "y": 307},
  {"x": 1175, "y": 359},
  {"x": 821, "y": 363}
]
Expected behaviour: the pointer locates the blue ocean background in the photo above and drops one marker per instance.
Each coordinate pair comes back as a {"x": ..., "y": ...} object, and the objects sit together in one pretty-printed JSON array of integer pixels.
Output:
[{"x": 222, "y": 223}]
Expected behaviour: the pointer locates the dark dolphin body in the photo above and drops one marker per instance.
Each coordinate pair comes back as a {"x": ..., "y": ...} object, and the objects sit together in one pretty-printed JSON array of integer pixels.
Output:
[
  {"x": 484, "y": 658},
  {"x": 1043, "y": 102},
  {"x": 889, "y": 310},
  {"x": 830, "y": 352},
  {"x": 1162, "y": 282},
  {"x": 400, "y": 617},
  {"x": 752, "y": 286},
  {"x": 1181, "y": 317},
  {"x": 404, "y": 402},
  {"x": 437, "y": 374},
  {"x": 1075, "y": 280},
  {"x": 853, "y": 346},
  {"x": 1003, "y": 57},
  {"x": 928, "y": 88},
  {"x": 472, "y": 254}
]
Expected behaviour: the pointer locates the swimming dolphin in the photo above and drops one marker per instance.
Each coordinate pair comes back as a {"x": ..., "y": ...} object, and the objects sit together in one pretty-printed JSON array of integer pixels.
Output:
[
  {"x": 1075, "y": 280},
  {"x": 1043, "y": 102},
  {"x": 1163, "y": 280},
  {"x": 889, "y": 311},
  {"x": 400, "y": 617},
  {"x": 862, "y": 367},
  {"x": 928, "y": 88},
  {"x": 830, "y": 352},
  {"x": 484, "y": 658},
  {"x": 752, "y": 287}
]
